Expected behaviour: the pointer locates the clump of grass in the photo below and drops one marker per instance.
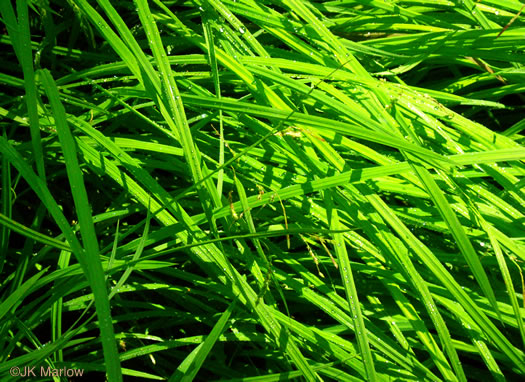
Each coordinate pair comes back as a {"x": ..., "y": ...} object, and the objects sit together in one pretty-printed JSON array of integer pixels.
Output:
[{"x": 245, "y": 190}]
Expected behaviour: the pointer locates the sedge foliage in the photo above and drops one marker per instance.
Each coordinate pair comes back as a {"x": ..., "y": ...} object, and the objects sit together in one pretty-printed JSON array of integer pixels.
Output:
[{"x": 263, "y": 190}]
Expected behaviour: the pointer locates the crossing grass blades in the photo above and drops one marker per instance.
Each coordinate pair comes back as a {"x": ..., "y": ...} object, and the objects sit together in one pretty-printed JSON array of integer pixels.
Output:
[{"x": 245, "y": 190}]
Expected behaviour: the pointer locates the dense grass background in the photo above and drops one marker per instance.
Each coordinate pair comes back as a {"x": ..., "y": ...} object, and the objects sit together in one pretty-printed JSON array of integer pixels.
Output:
[{"x": 263, "y": 190}]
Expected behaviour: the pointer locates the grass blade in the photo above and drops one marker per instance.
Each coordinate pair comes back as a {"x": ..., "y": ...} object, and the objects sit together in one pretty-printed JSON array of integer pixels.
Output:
[{"x": 94, "y": 267}]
